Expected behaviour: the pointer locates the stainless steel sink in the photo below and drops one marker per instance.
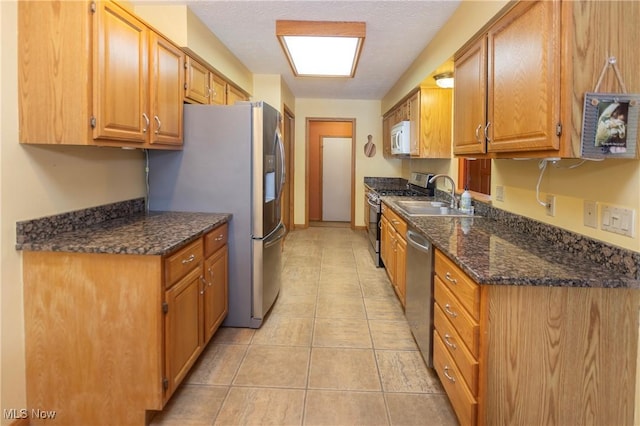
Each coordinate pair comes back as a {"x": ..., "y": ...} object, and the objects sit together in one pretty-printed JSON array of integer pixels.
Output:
[{"x": 428, "y": 208}]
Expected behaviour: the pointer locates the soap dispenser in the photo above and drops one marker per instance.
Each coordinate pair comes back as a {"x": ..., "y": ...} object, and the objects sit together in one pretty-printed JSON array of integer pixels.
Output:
[{"x": 465, "y": 201}]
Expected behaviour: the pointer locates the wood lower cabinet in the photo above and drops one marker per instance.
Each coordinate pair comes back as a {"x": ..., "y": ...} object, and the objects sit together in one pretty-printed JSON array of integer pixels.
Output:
[
  {"x": 91, "y": 73},
  {"x": 394, "y": 250},
  {"x": 109, "y": 337},
  {"x": 509, "y": 354}
]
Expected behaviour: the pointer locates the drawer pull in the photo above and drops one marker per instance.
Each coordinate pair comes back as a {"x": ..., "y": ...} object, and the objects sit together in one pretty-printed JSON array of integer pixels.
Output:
[
  {"x": 446, "y": 340},
  {"x": 446, "y": 374},
  {"x": 447, "y": 309},
  {"x": 447, "y": 277},
  {"x": 189, "y": 259},
  {"x": 219, "y": 238}
]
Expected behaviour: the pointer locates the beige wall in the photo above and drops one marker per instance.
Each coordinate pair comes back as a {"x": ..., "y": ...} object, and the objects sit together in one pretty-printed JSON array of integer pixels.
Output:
[
  {"x": 40, "y": 181},
  {"x": 368, "y": 122}
]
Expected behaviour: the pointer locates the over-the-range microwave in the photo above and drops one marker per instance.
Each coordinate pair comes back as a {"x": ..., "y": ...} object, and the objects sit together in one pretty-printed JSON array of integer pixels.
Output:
[{"x": 401, "y": 138}]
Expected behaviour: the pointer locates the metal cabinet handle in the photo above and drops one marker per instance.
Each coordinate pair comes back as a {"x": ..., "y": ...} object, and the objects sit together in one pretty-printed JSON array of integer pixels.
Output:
[
  {"x": 189, "y": 259},
  {"x": 478, "y": 133},
  {"x": 219, "y": 238},
  {"x": 146, "y": 119},
  {"x": 209, "y": 92},
  {"x": 446, "y": 340},
  {"x": 211, "y": 275},
  {"x": 446, "y": 374},
  {"x": 159, "y": 123},
  {"x": 447, "y": 309},
  {"x": 448, "y": 277},
  {"x": 486, "y": 131},
  {"x": 204, "y": 282}
]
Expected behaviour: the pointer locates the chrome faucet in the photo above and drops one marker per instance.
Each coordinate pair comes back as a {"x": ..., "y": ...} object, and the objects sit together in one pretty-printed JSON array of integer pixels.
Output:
[{"x": 454, "y": 200}]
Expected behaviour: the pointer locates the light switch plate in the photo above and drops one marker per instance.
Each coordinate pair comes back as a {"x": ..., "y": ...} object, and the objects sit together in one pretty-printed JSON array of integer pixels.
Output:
[
  {"x": 619, "y": 220},
  {"x": 590, "y": 214},
  {"x": 499, "y": 193}
]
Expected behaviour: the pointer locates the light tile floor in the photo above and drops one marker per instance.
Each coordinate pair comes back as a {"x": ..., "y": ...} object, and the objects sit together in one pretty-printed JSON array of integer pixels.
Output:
[{"x": 335, "y": 350}]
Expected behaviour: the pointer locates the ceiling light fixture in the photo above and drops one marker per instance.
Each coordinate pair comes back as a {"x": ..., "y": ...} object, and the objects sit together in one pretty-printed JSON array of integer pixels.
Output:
[
  {"x": 444, "y": 80},
  {"x": 320, "y": 48}
]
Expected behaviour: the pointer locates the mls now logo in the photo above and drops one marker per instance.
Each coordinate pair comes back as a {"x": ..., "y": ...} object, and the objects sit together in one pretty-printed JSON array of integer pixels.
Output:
[{"x": 23, "y": 413}]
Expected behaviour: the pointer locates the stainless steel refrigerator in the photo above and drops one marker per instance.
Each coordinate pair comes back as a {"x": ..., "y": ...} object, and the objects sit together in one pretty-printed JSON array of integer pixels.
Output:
[{"x": 232, "y": 162}]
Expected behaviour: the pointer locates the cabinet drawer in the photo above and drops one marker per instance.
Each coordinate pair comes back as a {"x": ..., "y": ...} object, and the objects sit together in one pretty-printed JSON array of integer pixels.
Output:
[
  {"x": 466, "y": 362},
  {"x": 396, "y": 221},
  {"x": 463, "y": 402},
  {"x": 467, "y": 291},
  {"x": 181, "y": 262},
  {"x": 215, "y": 239},
  {"x": 466, "y": 327}
]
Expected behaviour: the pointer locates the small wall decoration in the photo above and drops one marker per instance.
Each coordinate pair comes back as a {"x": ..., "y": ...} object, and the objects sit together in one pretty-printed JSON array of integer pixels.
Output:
[
  {"x": 610, "y": 121},
  {"x": 369, "y": 147}
]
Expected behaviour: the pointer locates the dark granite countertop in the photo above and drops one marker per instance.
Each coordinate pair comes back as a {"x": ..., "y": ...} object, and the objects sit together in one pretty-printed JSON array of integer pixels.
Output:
[
  {"x": 491, "y": 252},
  {"x": 153, "y": 233}
]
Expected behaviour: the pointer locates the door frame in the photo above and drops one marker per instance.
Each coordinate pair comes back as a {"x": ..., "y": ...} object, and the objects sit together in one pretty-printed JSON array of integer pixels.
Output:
[
  {"x": 288, "y": 130},
  {"x": 353, "y": 164}
]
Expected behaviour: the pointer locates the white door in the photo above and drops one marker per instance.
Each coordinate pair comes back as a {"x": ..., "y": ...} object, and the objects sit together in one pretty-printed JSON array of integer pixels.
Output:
[{"x": 336, "y": 179}]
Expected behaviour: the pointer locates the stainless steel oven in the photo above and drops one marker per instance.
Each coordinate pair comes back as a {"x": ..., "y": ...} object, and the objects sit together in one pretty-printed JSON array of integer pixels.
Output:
[
  {"x": 372, "y": 200},
  {"x": 417, "y": 185}
]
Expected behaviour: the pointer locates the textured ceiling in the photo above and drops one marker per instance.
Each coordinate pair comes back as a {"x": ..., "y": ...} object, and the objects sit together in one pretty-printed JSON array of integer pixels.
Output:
[{"x": 397, "y": 31}]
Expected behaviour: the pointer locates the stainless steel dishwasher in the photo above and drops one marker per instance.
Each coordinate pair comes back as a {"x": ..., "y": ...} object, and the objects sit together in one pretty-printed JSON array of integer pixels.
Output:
[{"x": 419, "y": 292}]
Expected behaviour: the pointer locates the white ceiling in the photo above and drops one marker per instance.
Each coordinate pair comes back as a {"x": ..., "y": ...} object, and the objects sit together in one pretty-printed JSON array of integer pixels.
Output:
[{"x": 397, "y": 32}]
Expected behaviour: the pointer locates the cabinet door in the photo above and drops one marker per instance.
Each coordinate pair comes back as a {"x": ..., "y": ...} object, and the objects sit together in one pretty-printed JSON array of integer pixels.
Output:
[
  {"x": 384, "y": 241},
  {"x": 234, "y": 95},
  {"x": 216, "y": 303},
  {"x": 183, "y": 327},
  {"x": 469, "y": 115},
  {"x": 166, "y": 92},
  {"x": 435, "y": 123},
  {"x": 413, "y": 107},
  {"x": 401, "y": 268},
  {"x": 120, "y": 76},
  {"x": 218, "y": 90},
  {"x": 197, "y": 87},
  {"x": 386, "y": 136},
  {"x": 524, "y": 78}
]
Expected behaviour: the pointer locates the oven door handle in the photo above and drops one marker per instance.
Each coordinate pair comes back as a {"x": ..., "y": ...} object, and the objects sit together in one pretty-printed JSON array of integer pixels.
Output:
[{"x": 374, "y": 205}]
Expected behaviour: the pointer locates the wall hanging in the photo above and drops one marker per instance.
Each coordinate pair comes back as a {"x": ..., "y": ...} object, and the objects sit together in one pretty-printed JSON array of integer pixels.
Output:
[
  {"x": 369, "y": 147},
  {"x": 610, "y": 120}
]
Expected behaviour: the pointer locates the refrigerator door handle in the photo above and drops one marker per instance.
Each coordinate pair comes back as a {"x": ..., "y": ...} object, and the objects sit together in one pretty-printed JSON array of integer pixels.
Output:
[
  {"x": 275, "y": 236},
  {"x": 282, "y": 162}
]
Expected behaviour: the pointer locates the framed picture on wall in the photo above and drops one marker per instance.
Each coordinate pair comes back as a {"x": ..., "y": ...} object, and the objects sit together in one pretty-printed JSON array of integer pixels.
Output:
[{"x": 610, "y": 125}]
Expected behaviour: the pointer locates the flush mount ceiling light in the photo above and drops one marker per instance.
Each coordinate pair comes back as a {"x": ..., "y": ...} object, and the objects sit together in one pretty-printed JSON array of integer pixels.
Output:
[
  {"x": 444, "y": 80},
  {"x": 321, "y": 48}
]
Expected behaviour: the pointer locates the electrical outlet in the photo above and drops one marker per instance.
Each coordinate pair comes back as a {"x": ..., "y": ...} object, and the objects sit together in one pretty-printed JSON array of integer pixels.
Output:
[
  {"x": 551, "y": 205},
  {"x": 499, "y": 193},
  {"x": 590, "y": 214}
]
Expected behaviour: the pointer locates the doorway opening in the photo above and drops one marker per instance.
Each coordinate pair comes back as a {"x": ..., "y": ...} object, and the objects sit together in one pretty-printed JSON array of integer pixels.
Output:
[{"x": 330, "y": 164}]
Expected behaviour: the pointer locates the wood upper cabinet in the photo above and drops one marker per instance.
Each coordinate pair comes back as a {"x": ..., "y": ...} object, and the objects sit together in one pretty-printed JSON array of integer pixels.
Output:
[
  {"x": 196, "y": 82},
  {"x": 470, "y": 104},
  {"x": 520, "y": 84},
  {"x": 103, "y": 77},
  {"x": 203, "y": 86},
  {"x": 121, "y": 75},
  {"x": 234, "y": 95},
  {"x": 523, "y": 100},
  {"x": 520, "y": 57},
  {"x": 166, "y": 84},
  {"x": 429, "y": 112}
]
